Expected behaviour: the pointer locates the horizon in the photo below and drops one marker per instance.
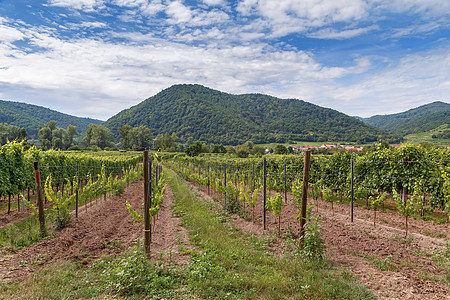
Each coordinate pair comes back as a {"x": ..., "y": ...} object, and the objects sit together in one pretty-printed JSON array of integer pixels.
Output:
[
  {"x": 205, "y": 87},
  {"x": 94, "y": 58}
]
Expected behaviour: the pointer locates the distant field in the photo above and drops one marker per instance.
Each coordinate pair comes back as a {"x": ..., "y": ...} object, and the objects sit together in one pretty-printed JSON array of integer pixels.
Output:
[{"x": 422, "y": 137}]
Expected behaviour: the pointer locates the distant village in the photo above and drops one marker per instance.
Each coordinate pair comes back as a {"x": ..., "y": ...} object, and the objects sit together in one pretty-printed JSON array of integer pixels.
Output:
[{"x": 296, "y": 149}]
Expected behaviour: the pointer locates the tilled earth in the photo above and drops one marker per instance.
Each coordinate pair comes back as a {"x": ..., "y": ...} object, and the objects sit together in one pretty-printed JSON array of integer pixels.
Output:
[
  {"x": 392, "y": 266},
  {"x": 102, "y": 228}
]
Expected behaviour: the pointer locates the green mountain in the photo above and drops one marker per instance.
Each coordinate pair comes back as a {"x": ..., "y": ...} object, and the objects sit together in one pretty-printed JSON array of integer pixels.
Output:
[
  {"x": 31, "y": 117},
  {"x": 416, "y": 120},
  {"x": 216, "y": 117}
]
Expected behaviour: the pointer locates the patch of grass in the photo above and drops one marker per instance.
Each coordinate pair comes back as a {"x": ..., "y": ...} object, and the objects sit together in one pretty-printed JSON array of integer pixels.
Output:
[
  {"x": 435, "y": 234},
  {"x": 384, "y": 264},
  {"x": 20, "y": 234},
  {"x": 234, "y": 265},
  {"x": 442, "y": 258},
  {"x": 129, "y": 275}
]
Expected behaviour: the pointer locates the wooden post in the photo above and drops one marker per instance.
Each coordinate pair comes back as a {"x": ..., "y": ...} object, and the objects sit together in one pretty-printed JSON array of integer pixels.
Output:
[
  {"x": 39, "y": 198},
  {"x": 352, "y": 187},
  {"x": 285, "y": 185},
  {"x": 209, "y": 183},
  {"x": 76, "y": 192},
  {"x": 225, "y": 182},
  {"x": 264, "y": 192},
  {"x": 146, "y": 207},
  {"x": 304, "y": 193}
]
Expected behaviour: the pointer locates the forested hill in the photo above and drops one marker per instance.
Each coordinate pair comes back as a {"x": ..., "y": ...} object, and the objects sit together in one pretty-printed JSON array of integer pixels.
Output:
[
  {"x": 213, "y": 116},
  {"x": 31, "y": 117},
  {"x": 420, "y": 119}
]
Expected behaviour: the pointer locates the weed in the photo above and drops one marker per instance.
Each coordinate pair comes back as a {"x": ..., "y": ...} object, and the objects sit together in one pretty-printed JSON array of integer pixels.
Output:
[{"x": 384, "y": 264}]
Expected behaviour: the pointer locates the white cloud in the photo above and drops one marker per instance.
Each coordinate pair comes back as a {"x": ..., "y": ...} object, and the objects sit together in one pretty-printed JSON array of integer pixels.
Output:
[
  {"x": 287, "y": 16},
  {"x": 428, "y": 8},
  {"x": 9, "y": 34},
  {"x": 85, "y": 5},
  {"x": 415, "y": 80},
  {"x": 178, "y": 13},
  {"x": 215, "y": 2},
  {"x": 330, "y": 33}
]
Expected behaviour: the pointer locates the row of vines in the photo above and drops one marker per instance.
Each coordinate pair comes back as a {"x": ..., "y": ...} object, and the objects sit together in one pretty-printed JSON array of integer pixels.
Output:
[
  {"x": 17, "y": 173},
  {"x": 417, "y": 179}
]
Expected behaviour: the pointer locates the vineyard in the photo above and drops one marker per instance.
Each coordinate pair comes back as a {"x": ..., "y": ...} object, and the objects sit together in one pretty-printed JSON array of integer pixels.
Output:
[
  {"x": 416, "y": 179},
  {"x": 69, "y": 180},
  {"x": 381, "y": 215}
]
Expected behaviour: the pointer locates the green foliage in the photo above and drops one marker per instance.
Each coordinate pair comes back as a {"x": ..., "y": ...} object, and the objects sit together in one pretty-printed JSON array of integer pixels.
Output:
[
  {"x": 281, "y": 149},
  {"x": 62, "y": 200},
  {"x": 167, "y": 143},
  {"x": 200, "y": 113},
  {"x": 275, "y": 203},
  {"x": 194, "y": 149},
  {"x": 133, "y": 274},
  {"x": 377, "y": 201},
  {"x": 312, "y": 243},
  {"x": 415, "y": 120},
  {"x": 11, "y": 133},
  {"x": 98, "y": 135},
  {"x": 137, "y": 138},
  {"x": 32, "y": 117},
  {"x": 56, "y": 138}
]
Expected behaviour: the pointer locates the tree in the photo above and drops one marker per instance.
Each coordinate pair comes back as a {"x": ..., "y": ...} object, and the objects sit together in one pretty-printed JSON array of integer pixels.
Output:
[
  {"x": 98, "y": 135},
  {"x": 139, "y": 138},
  {"x": 11, "y": 133},
  {"x": 194, "y": 149},
  {"x": 125, "y": 139},
  {"x": 71, "y": 131},
  {"x": 57, "y": 138},
  {"x": 280, "y": 149},
  {"x": 45, "y": 137},
  {"x": 167, "y": 143},
  {"x": 218, "y": 148}
]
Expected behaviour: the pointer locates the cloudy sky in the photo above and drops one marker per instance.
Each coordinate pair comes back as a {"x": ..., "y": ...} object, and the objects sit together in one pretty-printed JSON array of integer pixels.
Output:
[{"x": 93, "y": 58}]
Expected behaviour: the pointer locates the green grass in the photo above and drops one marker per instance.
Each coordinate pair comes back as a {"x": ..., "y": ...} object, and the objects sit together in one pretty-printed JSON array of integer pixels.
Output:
[
  {"x": 426, "y": 137},
  {"x": 228, "y": 264},
  {"x": 233, "y": 266}
]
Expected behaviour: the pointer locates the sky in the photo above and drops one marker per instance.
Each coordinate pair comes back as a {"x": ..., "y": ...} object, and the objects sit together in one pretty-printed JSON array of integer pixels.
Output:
[{"x": 94, "y": 58}]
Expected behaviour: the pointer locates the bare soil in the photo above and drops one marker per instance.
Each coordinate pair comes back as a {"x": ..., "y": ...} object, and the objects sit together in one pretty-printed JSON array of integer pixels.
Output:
[
  {"x": 103, "y": 228},
  {"x": 392, "y": 266},
  {"x": 388, "y": 263}
]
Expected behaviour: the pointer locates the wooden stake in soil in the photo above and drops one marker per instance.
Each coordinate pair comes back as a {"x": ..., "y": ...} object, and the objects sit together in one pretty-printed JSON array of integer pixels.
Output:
[
  {"x": 304, "y": 193},
  {"x": 146, "y": 207},
  {"x": 39, "y": 198},
  {"x": 264, "y": 191}
]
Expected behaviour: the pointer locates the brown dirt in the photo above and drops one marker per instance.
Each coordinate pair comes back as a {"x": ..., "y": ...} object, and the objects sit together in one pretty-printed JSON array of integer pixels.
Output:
[
  {"x": 360, "y": 247},
  {"x": 104, "y": 228},
  {"x": 15, "y": 214}
]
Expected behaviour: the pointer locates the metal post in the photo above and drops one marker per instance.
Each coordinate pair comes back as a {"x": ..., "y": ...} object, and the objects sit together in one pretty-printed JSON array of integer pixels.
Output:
[
  {"x": 150, "y": 193},
  {"x": 146, "y": 206},
  {"x": 253, "y": 178}
]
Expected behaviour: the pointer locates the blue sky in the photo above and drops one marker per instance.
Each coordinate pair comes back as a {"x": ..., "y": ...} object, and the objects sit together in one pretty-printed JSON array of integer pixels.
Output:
[{"x": 94, "y": 58}]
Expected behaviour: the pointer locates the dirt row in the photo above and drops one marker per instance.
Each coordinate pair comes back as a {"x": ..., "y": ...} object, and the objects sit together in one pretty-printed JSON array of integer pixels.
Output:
[
  {"x": 107, "y": 229},
  {"x": 104, "y": 228},
  {"x": 391, "y": 265}
]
